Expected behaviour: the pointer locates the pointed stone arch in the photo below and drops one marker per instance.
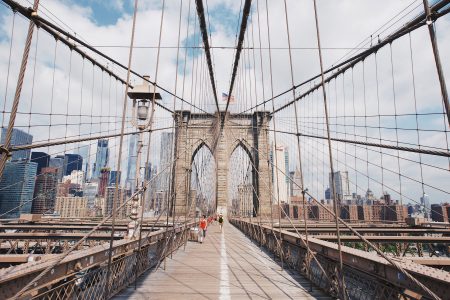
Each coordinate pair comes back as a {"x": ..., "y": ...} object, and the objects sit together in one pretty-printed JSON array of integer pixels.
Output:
[
  {"x": 194, "y": 130},
  {"x": 243, "y": 144}
]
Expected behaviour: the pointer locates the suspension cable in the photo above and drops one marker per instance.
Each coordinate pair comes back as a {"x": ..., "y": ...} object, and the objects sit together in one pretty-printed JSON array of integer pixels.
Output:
[
  {"x": 204, "y": 31},
  {"x": 330, "y": 154},
  {"x": 119, "y": 156},
  {"x": 23, "y": 67},
  {"x": 245, "y": 13}
]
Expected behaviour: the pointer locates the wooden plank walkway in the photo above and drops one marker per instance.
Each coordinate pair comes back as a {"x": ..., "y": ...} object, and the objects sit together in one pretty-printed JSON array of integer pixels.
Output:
[{"x": 226, "y": 266}]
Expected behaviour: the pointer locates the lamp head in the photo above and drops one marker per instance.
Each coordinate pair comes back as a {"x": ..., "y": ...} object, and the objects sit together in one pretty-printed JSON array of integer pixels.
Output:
[{"x": 144, "y": 91}]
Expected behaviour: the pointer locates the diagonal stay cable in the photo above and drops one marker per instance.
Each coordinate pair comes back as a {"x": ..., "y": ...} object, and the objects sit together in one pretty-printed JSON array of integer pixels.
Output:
[
  {"x": 245, "y": 13},
  {"x": 204, "y": 31},
  {"x": 384, "y": 146},
  {"x": 63, "y": 255},
  {"x": 47, "y": 25},
  {"x": 419, "y": 21},
  {"x": 395, "y": 264}
]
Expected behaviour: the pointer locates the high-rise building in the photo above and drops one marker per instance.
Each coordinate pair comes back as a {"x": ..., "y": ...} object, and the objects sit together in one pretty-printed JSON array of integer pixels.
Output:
[
  {"x": 365, "y": 213},
  {"x": 113, "y": 176},
  {"x": 17, "y": 188},
  {"x": 317, "y": 212},
  {"x": 72, "y": 162},
  {"x": 439, "y": 212},
  {"x": 328, "y": 195},
  {"x": 103, "y": 181},
  {"x": 148, "y": 171},
  {"x": 297, "y": 183},
  {"x": 109, "y": 200},
  {"x": 394, "y": 213},
  {"x": 63, "y": 189},
  {"x": 45, "y": 191},
  {"x": 349, "y": 212},
  {"x": 18, "y": 138},
  {"x": 84, "y": 151},
  {"x": 42, "y": 159},
  {"x": 369, "y": 197},
  {"x": 58, "y": 162},
  {"x": 426, "y": 205},
  {"x": 132, "y": 161},
  {"x": 71, "y": 207},
  {"x": 280, "y": 187},
  {"x": 101, "y": 158},
  {"x": 90, "y": 192},
  {"x": 286, "y": 166},
  {"x": 245, "y": 194},
  {"x": 342, "y": 185},
  {"x": 76, "y": 177},
  {"x": 165, "y": 160},
  {"x": 291, "y": 183}
]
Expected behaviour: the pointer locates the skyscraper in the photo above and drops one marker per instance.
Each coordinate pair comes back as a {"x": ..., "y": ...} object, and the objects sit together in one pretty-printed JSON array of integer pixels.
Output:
[
  {"x": 112, "y": 177},
  {"x": 297, "y": 183},
  {"x": 90, "y": 192},
  {"x": 101, "y": 158},
  {"x": 342, "y": 185},
  {"x": 17, "y": 188},
  {"x": 280, "y": 187},
  {"x": 165, "y": 159},
  {"x": 103, "y": 181},
  {"x": 148, "y": 171},
  {"x": 286, "y": 165},
  {"x": 18, "y": 138},
  {"x": 72, "y": 162},
  {"x": 45, "y": 191},
  {"x": 42, "y": 159},
  {"x": 425, "y": 202},
  {"x": 245, "y": 195},
  {"x": 84, "y": 152},
  {"x": 132, "y": 160},
  {"x": 58, "y": 162},
  {"x": 109, "y": 197}
]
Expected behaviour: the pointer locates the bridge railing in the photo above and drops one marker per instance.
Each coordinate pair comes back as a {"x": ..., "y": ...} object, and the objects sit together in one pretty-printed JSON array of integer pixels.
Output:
[
  {"x": 82, "y": 275},
  {"x": 367, "y": 276}
]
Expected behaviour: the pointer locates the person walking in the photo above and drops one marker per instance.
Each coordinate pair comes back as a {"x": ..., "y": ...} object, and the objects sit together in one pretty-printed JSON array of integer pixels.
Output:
[
  {"x": 203, "y": 225},
  {"x": 221, "y": 222}
]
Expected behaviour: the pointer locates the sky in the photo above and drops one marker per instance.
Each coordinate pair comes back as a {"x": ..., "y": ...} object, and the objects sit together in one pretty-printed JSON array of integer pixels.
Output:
[{"x": 63, "y": 82}]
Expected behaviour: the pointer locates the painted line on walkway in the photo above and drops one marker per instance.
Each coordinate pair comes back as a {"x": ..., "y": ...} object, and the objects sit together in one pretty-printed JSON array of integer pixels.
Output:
[{"x": 224, "y": 279}]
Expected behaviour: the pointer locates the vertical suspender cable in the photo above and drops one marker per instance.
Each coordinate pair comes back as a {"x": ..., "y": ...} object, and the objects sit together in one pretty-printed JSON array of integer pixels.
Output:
[
  {"x": 341, "y": 266},
  {"x": 308, "y": 259},
  {"x": 119, "y": 161},
  {"x": 263, "y": 122},
  {"x": 274, "y": 136},
  {"x": 171, "y": 182}
]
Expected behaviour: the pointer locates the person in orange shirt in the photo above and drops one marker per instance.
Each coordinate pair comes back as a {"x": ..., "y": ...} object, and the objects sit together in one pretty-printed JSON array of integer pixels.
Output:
[{"x": 203, "y": 225}]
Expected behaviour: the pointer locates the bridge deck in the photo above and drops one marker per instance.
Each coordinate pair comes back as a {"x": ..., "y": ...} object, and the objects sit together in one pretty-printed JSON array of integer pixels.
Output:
[{"x": 225, "y": 266}]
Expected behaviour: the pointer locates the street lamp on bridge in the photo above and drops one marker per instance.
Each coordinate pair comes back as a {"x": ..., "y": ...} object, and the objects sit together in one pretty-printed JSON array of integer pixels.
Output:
[{"x": 143, "y": 97}]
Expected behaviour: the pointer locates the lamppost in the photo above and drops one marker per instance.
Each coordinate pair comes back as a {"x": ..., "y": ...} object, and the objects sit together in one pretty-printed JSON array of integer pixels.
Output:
[{"x": 142, "y": 96}]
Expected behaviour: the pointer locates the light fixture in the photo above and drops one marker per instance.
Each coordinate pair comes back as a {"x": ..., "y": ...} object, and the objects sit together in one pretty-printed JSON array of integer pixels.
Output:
[
  {"x": 142, "y": 95},
  {"x": 142, "y": 110}
]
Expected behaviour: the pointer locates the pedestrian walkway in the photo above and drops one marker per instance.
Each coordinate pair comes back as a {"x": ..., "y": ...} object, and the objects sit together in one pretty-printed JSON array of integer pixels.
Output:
[{"x": 226, "y": 266}]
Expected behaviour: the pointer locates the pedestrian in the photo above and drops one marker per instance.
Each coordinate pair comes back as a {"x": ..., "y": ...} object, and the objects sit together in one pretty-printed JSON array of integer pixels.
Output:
[
  {"x": 221, "y": 222},
  {"x": 203, "y": 226}
]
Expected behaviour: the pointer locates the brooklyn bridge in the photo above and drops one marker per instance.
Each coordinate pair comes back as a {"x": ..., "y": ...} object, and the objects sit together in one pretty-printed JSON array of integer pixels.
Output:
[{"x": 205, "y": 149}]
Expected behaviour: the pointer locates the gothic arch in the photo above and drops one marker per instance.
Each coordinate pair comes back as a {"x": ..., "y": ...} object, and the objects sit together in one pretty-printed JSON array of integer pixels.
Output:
[{"x": 245, "y": 130}]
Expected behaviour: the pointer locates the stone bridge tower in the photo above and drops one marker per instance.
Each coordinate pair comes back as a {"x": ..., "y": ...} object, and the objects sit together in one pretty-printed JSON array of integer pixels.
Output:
[{"x": 195, "y": 130}]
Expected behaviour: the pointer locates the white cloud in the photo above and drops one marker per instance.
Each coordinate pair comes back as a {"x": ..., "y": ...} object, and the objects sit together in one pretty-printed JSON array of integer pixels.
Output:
[{"x": 343, "y": 24}]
